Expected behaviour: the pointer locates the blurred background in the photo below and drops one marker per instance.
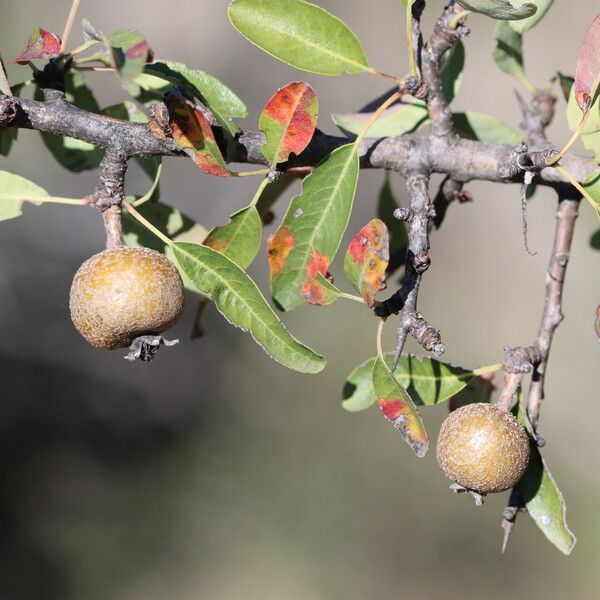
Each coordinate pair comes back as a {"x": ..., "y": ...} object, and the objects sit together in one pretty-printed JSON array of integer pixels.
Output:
[{"x": 215, "y": 473}]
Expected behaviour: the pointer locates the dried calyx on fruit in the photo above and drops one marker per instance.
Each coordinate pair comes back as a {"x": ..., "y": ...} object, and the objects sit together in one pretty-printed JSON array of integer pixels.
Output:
[
  {"x": 122, "y": 295},
  {"x": 483, "y": 448}
]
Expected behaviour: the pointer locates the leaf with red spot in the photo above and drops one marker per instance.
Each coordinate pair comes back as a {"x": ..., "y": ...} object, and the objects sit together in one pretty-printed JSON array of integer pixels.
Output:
[
  {"x": 367, "y": 259},
  {"x": 41, "y": 44},
  {"x": 398, "y": 408},
  {"x": 313, "y": 226},
  {"x": 191, "y": 127},
  {"x": 587, "y": 71},
  {"x": 313, "y": 291},
  {"x": 289, "y": 120},
  {"x": 130, "y": 51}
]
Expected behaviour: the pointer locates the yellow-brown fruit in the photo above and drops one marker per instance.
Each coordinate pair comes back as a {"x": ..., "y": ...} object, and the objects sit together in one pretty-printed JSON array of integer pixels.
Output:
[
  {"x": 122, "y": 293},
  {"x": 483, "y": 448}
]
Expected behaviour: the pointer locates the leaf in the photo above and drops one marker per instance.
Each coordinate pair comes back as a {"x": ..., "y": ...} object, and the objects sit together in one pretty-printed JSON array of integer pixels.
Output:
[
  {"x": 193, "y": 133},
  {"x": 543, "y": 499},
  {"x": 240, "y": 301},
  {"x": 403, "y": 117},
  {"x": 428, "y": 381},
  {"x": 479, "y": 126},
  {"x": 130, "y": 51},
  {"x": 14, "y": 190},
  {"x": 300, "y": 34},
  {"x": 543, "y": 6},
  {"x": 397, "y": 229},
  {"x": 587, "y": 70},
  {"x": 500, "y": 9},
  {"x": 220, "y": 100},
  {"x": 89, "y": 33},
  {"x": 452, "y": 69},
  {"x": 565, "y": 82},
  {"x": 177, "y": 226},
  {"x": 41, "y": 44},
  {"x": 590, "y": 134},
  {"x": 592, "y": 187},
  {"x": 478, "y": 390},
  {"x": 366, "y": 260},
  {"x": 312, "y": 229},
  {"x": 398, "y": 408},
  {"x": 508, "y": 54},
  {"x": 595, "y": 240},
  {"x": 72, "y": 154},
  {"x": 239, "y": 239},
  {"x": 289, "y": 120},
  {"x": 320, "y": 291}
]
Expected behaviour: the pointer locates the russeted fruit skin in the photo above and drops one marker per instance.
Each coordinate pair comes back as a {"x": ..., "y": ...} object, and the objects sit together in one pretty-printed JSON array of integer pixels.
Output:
[
  {"x": 483, "y": 448},
  {"x": 122, "y": 293}
]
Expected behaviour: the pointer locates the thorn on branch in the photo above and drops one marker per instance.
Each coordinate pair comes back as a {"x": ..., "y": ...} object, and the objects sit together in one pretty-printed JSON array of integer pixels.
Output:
[{"x": 509, "y": 515}]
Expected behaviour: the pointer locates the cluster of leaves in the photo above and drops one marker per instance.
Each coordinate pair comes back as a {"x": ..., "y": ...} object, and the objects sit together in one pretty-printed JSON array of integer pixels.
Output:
[{"x": 303, "y": 246}]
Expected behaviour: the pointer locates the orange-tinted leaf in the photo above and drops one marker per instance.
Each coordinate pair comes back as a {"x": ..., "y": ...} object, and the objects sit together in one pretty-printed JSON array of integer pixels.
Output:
[
  {"x": 367, "y": 258},
  {"x": 279, "y": 245},
  {"x": 587, "y": 72},
  {"x": 41, "y": 44},
  {"x": 289, "y": 120},
  {"x": 320, "y": 291},
  {"x": 192, "y": 132}
]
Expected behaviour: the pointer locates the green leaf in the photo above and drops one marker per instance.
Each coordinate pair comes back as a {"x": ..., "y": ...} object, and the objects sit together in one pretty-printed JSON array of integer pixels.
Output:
[
  {"x": 74, "y": 155},
  {"x": 508, "y": 54},
  {"x": 366, "y": 260},
  {"x": 397, "y": 229},
  {"x": 403, "y": 117},
  {"x": 130, "y": 51},
  {"x": 543, "y": 499},
  {"x": 14, "y": 190},
  {"x": 543, "y": 6},
  {"x": 592, "y": 187},
  {"x": 312, "y": 229},
  {"x": 428, "y": 381},
  {"x": 397, "y": 407},
  {"x": 478, "y": 390},
  {"x": 500, "y": 9},
  {"x": 452, "y": 70},
  {"x": 239, "y": 239},
  {"x": 565, "y": 82},
  {"x": 595, "y": 240},
  {"x": 221, "y": 101},
  {"x": 288, "y": 121},
  {"x": 323, "y": 292},
  {"x": 479, "y": 126},
  {"x": 240, "y": 301},
  {"x": 590, "y": 135},
  {"x": 89, "y": 33},
  {"x": 300, "y": 34},
  {"x": 178, "y": 227}
]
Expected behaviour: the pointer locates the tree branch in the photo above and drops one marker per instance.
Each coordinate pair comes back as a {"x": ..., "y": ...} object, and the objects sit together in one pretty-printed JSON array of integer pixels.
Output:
[{"x": 552, "y": 315}]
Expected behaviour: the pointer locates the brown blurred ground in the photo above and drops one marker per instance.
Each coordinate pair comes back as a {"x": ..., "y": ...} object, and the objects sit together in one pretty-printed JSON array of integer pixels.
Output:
[{"x": 213, "y": 472}]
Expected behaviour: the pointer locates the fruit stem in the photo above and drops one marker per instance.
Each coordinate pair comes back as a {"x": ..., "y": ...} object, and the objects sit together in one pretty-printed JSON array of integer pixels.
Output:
[
  {"x": 69, "y": 24},
  {"x": 412, "y": 65},
  {"x": 489, "y": 369},
  {"x": 379, "y": 336},
  {"x": 159, "y": 234},
  {"x": 113, "y": 227},
  {"x": 376, "y": 115},
  {"x": 4, "y": 85},
  {"x": 578, "y": 187}
]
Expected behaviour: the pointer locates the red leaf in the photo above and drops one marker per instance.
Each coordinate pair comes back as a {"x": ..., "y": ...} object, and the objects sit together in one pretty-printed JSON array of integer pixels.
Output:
[
  {"x": 289, "y": 120},
  {"x": 191, "y": 127},
  {"x": 41, "y": 44},
  {"x": 587, "y": 72}
]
